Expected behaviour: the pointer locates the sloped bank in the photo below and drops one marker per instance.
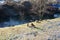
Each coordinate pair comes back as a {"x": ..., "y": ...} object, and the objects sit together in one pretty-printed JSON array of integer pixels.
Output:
[{"x": 50, "y": 31}]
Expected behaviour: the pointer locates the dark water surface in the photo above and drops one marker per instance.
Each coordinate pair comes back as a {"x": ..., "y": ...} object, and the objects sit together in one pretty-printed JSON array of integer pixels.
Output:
[{"x": 12, "y": 22}]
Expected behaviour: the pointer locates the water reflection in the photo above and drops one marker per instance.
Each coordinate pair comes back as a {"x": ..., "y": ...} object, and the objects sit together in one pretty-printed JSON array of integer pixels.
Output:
[
  {"x": 56, "y": 15},
  {"x": 12, "y": 22}
]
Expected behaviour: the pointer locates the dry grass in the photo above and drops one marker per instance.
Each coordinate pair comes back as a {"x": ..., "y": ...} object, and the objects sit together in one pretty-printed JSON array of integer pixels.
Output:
[{"x": 22, "y": 32}]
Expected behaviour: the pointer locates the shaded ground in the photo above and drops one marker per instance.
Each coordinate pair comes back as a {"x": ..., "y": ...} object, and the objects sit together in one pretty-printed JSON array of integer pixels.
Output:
[{"x": 48, "y": 30}]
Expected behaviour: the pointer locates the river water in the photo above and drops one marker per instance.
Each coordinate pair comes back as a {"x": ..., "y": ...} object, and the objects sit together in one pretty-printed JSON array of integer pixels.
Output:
[
  {"x": 57, "y": 15},
  {"x": 13, "y": 22}
]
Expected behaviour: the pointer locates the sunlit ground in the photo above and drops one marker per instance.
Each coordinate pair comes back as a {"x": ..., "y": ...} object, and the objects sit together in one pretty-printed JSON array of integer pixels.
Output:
[{"x": 48, "y": 29}]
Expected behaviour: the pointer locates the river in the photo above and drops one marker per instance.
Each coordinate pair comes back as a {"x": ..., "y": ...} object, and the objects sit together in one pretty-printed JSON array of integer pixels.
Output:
[{"x": 13, "y": 22}]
